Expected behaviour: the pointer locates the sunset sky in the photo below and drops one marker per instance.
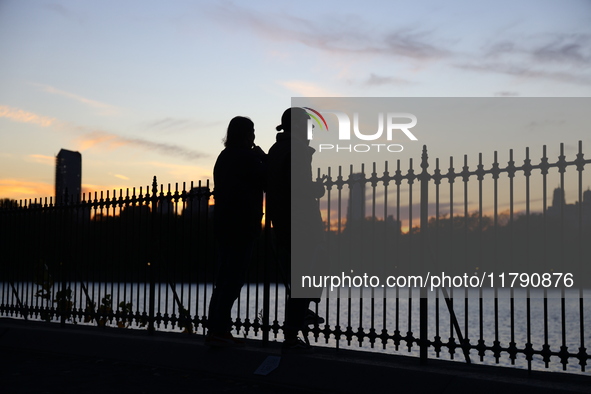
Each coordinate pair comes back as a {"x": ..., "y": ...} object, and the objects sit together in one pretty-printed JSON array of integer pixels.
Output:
[{"x": 144, "y": 88}]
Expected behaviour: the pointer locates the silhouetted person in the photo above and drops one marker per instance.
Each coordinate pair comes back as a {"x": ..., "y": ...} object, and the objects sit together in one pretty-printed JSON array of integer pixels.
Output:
[
  {"x": 292, "y": 205},
  {"x": 238, "y": 179}
]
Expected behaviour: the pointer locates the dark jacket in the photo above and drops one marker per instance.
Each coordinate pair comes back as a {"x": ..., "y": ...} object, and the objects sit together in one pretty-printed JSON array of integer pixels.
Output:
[
  {"x": 291, "y": 193},
  {"x": 238, "y": 178}
]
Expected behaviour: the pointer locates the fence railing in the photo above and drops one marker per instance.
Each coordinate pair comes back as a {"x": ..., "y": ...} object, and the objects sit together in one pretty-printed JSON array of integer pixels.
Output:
[{"x": 144, "y": 258}]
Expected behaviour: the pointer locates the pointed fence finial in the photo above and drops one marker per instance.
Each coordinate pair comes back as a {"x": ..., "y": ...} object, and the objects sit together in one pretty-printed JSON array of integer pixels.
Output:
[
  {"x": 424, "y": 158},
  {"x": 154, "y": 186}
]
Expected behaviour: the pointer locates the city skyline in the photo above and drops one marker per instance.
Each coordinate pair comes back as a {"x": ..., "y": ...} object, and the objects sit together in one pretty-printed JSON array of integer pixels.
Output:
[{"x": 68, "y": 170}]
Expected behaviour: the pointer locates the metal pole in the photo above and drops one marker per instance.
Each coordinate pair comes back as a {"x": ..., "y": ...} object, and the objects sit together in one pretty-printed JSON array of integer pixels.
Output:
[
  {"x": 266, "y": 280},
  {"x": 423, "y": 306},
  {"x": 154, "y": 199}
]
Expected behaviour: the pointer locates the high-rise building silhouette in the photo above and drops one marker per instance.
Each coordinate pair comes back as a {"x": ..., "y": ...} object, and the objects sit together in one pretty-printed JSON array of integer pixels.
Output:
[
  {"x": 570, "y": 213},
  {"x": 68, "y": 176},
  {"x": 558, "y": 198},
  {"x": 356, "y": 208}
]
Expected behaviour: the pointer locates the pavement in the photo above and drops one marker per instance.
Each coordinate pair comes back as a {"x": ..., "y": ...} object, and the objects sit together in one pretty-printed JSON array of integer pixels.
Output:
[{"x": 39, "y": 357}]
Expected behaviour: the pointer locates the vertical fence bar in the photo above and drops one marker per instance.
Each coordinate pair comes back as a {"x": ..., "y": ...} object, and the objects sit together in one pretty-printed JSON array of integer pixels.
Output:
[
  {"x": 480, "y": 177},
  {"x": 546, "y": 353},
  {"x": 360, "y": 330},
  {"x": 164, "y": 265},
  {"x": 437, "y": 178},
  {"x": 528, "y": 346},
  {"x": 203, "y": 227},
  {"x": 338, "y": 330},
  {"x": 424, "y": 306},
  {"x": 61, "y": 305},
  {"x": 495, "y": 174},
  {"x": 152, "y": 264},
  {"x": 562, "y": 169},
  {"x": 328, "y": 248},
  {"x": 451, "y": 178},
  {"x": 511, "y": 174},
  {"x": 410, "y": 177},
  {"x": 398, "y": 180},
  {"x": 316, "y": 328},
  {"x": 465, "y": 178},
  {"x": 372, "y": 330},
  {"x": 386, "y": 182},
  {"x": 349, "y": 334},
  {"x": 102, "y": 285},
  {"x": 580, "y": 162},
  {"x": 266, "y": 278},
  {"x": 93, "y": 275}
]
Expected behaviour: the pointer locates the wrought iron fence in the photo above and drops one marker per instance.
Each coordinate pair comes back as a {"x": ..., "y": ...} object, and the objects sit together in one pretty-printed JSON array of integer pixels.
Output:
[
  {"x": 505, "y": 225},
  {"x": 144, "y": 258}
]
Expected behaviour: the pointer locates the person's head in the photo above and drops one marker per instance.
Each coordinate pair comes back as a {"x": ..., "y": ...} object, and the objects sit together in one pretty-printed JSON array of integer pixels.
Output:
[
  {"x": 295, "y": 120},
  {"x": 240, "y": 133}
]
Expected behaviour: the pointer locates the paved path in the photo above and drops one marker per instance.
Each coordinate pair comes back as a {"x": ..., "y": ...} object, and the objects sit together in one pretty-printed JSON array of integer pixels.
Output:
[{"x": 40, "y": 357}]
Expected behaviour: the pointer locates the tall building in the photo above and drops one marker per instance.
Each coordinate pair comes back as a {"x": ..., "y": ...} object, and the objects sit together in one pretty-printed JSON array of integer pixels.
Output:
[
  {"x": 570, "y": 212},
  {"x": 68, "y": 176},
  {"x": 356, "y": 208},
  {"x": 558, "y": 198}
]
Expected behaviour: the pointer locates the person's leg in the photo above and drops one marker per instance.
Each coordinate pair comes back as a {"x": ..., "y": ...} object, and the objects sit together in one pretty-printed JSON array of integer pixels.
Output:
[
  {"x": 295, "y": 313},
  {"x": 233, "y": 265},
  {"x": 295, "y": 308}
]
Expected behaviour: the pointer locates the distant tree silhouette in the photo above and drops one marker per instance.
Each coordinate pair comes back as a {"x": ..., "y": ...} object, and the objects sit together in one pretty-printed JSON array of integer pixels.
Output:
[
  {"x": 527, "y": 243},
  {"x": 8, "y": 203}
]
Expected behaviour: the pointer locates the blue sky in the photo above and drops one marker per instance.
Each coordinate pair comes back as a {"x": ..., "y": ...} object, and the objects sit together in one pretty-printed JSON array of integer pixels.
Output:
[{"x": 147, "y": 88}]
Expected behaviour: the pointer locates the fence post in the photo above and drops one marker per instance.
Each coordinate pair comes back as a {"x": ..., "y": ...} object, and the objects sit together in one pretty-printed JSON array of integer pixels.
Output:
[
  {"x": 424, "y": 177},
  {"x": 153, "y": 254},
  {"x": 266, "y": 280},
  {"x": 62, "y": 302}
]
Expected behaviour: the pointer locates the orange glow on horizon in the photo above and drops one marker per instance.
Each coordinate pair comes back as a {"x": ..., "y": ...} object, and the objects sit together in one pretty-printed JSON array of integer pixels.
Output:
[{"x": 18, "y": 189}]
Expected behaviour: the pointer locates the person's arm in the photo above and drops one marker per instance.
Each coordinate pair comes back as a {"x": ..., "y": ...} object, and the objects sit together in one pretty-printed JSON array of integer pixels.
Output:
[{"x": 259, "y": 153}]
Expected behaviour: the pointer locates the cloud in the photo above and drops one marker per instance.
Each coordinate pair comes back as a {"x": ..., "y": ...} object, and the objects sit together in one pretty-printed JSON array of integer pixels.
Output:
[
  {"x": 121, "y": 177},
  {"x": 169, "y": 124},
  {"x": 89, "y": 140},
  {"x": 18, "y": 115},
  {"x": 560, "y": 57},
  {"x": 413, "y": 44},
  {"x": 529, "y": 72},
  {"x": 574, "y": 49},
  {"x": 341, "y": 35},
  {"x": 564, "y": 58},
  {"x": 42, "y": 159},
  {"x": 556, "y": 49},
  {"x": 112, "y": 141},
  {"x": 98, "y": 137},
  {"x": 307, "y": 89},
  {"x": 24, "y": 189},
  {"x": 377, "y": 80},
  {"x": 105, "y": 109}
]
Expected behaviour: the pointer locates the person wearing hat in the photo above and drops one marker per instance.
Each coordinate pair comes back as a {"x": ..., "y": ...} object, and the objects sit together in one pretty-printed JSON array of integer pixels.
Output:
[{"x": 292, "y": 205}]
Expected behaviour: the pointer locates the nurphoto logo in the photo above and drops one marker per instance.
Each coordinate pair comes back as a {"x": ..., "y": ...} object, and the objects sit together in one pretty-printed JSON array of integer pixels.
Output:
[{"x": 390, "y": 123}]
